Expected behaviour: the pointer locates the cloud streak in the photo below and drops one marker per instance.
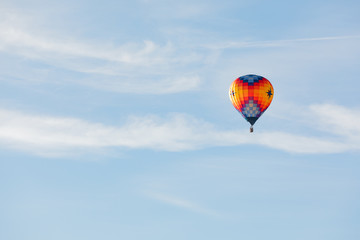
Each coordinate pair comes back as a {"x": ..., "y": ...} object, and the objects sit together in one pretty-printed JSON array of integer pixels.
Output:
[
  {"x": 274, "y": 43},
  {"x": 17, "y": 35},
  {"x": 105, "y": 65},
  {"x": 175, "y": 132},
  {"x": 133, "y": 67},
  {"x": 181, "y": 203}
]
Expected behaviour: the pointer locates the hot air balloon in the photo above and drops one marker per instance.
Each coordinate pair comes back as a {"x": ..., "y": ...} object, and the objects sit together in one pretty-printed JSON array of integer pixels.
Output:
[{"x": 251, "y": 95}]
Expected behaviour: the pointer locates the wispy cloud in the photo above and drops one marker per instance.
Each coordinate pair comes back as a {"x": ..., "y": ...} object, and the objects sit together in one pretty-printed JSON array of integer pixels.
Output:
[
  {"x": 32, "y": 45},
  {"x": 337, "y": 119},
  {"x": 163, "y": 85},
  {"x": 18, "y": 35},
  {"x": 113, "y": 67},
  {"x": 181, "y": 203},
  {"x": 274, "y": 43},
  {"x": 136, "y": 67},
  {"x": 176, "y": 132},
  {"x": 42, "y": 133}
]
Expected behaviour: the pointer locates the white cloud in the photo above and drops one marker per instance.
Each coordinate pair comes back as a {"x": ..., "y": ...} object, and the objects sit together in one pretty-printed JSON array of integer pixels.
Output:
[
  {"x": 41, "y": 133},
  {"x": 165, "y": 68},
  {"x": 337, "y": 119},
  {"x": 18, "y": 35},
  {"x": 108, "y": 66},
  {"x": 302, "y": 144},
  {"x": 340, "y": 121},
  {"x": 176, "y": 132}
]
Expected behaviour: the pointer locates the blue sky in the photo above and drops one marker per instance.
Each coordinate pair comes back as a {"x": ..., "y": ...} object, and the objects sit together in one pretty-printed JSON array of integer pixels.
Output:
[{"x": 116, "y": 122}]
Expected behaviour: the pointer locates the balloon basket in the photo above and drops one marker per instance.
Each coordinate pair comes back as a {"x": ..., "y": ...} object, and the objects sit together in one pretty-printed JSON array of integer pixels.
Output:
[{"x": 251, "y": 129}]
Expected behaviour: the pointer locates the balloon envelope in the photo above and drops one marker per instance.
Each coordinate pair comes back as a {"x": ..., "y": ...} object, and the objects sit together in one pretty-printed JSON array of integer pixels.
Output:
[{"x": 251, "y": 95}]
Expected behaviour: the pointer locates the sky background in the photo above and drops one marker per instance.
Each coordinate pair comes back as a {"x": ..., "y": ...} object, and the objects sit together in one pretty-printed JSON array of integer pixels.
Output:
[{"x": 115, "y": 120}]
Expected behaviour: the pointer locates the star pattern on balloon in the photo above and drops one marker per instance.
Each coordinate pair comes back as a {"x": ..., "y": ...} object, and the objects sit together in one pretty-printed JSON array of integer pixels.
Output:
[{"x": 269, "y": 93}]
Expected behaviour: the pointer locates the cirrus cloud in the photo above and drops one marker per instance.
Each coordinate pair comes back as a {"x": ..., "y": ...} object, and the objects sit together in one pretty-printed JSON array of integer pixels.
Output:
[
  {"x": 175, "y": 132},
  {"x": 105, "y": 65}
]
